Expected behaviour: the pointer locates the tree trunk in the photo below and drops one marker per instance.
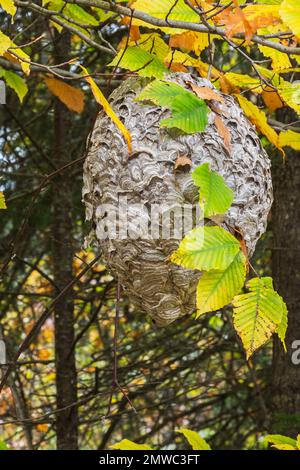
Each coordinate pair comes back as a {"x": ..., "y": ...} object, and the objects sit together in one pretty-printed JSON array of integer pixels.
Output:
[
  {"x": 286, "y": 273},
  {"x": 62, "y": 256}
]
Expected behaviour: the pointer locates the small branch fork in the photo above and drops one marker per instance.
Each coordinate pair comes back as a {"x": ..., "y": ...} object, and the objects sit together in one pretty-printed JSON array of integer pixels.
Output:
[{"x": 115, "y": 381}]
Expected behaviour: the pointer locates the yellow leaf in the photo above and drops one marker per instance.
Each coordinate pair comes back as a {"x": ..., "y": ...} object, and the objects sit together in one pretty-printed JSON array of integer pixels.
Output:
[
  {"x": 72, "y": 97},
  {"x": 257, "y": 314},
  {"x": 18, "y": 54},
  {"x": 126, "y": 444},
  {"x": 259, "y": 119},
  {"x": 23, "y": 59},
  {"x": 2, "y": 201},
  {"x": 284, "y": 447},
  {"x": 289, "y": 139},
  {"x": 280, "y": 60},
  {"x": 100, "y": 98},
  {"x": 8, "y": 6},
  {"x": 5, "y": 43},
  {"x": 244, "y": 81},
  {"x": 290, "y": 94},
  {"x": 290, "y": 13},
  {"x": 195, "y": 440}
]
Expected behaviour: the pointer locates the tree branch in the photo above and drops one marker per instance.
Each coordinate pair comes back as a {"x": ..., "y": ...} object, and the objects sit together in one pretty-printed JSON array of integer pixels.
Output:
[{"x": 189, "y": 26}]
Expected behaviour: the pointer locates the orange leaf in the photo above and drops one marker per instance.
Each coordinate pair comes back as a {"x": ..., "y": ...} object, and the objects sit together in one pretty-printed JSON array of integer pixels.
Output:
[
  {"x": 206, "y": 93},
  {"x": 236, "y": 22},
  {"x": 190, "y": 41},
  {"x": 271, "y": 99},
  {"x": 223, "y": 132},
  {"x": 72, "y": 97},
  {"x": 175, "y": 67},
  {"x": 100, "y": 98},
  {"x": 249, "y": 19},
  {"x": 11, "y": 58},
  {"x": 42, "y": 427},
  {"x": 226, "y": 86},
  {"x": 44, "y": 354},
  {"x": 134, "y": 33}
]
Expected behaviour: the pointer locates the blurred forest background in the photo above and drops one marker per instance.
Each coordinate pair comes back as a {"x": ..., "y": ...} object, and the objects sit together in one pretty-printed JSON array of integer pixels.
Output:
[{"x": 61, "y": 392}]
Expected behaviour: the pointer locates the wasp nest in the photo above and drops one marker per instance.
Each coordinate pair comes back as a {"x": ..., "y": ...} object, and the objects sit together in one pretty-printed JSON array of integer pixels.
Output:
[{"x": 149, "y": 177}]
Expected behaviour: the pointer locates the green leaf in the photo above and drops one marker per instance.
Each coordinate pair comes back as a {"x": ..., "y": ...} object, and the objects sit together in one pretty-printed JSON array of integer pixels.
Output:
[
  {"x": 206, "y": 248},
  {"x": 14, "y": 81},
  {"x": 3, "y": 445},
  {"x": 103, "y": 15},
  {"x": 73, "y": 12},
  {"x": 278, "y": 441},
  {"x": 141, "y": 61},
  {"x": 195, "y": 440},
  {"x": 257, "y": 314},
  {"x": 2, "y": 201},
  {"x": 125, "y": 444},
  {"x": 155, "y": 45},
  {"x": 189, "y": 113},
  {"x": 216, "y": 196},
  {"x": 217, "y": 288},
  {"x": 282, "y": 327},
  {"x": 78, "y": 14},
  {"x": 174, "y": 10},
  {"x": 161, "y": 93},
  {"x": 179, "y": 10}
]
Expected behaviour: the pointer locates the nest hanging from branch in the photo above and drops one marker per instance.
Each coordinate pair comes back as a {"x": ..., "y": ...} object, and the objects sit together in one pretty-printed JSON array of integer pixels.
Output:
[{"x": 154, "y": 285}]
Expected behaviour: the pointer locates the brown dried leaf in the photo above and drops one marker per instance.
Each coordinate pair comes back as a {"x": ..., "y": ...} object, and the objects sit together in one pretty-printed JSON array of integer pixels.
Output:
[
  {"x": 183, "y": 161},
  {"x": 206, "y": 93},
  {"x": 223, "y": 132}
]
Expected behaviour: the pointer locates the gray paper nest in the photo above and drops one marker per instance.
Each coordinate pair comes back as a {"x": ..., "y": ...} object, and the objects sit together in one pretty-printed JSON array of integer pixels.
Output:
[{"x": 154, "y": 285}]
